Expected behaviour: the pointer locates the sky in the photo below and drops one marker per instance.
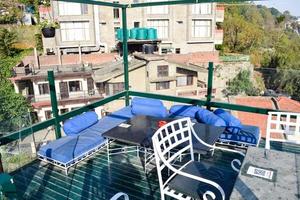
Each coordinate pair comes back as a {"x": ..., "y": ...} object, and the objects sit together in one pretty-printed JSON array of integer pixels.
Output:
[{"x": 291, "y": 5}]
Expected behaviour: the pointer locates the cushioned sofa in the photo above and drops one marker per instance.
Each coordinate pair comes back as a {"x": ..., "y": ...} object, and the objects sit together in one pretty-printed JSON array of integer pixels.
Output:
[{"x": 84, "y": 132}]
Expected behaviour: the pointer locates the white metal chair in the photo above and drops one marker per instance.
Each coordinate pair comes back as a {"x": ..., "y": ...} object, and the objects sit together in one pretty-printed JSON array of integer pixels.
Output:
[
  {"x": 285, "y": 123},
  {"x": 120, "y": 195},
  {"x": 172, "y": 141}
]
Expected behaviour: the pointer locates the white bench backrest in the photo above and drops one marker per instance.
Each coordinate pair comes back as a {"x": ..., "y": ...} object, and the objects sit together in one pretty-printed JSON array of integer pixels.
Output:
[{"x": 286, "y": 123}]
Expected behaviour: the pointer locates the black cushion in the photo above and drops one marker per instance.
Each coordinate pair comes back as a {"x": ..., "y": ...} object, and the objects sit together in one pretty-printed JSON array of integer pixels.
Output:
[{"x": 193, "y": 188}]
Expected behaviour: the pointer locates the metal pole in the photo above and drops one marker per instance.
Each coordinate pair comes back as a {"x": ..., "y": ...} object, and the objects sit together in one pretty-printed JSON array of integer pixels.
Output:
[
  {"x": 125, "y": 54},
  {"x": 209, "y": 84},
  {"x": 54, "y": 103},
  {"x": 1, "y": 166}
]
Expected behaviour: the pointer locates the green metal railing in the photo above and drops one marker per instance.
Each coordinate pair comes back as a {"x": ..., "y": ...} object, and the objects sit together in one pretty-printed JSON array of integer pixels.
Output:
[{"x": 57, "y": 119}]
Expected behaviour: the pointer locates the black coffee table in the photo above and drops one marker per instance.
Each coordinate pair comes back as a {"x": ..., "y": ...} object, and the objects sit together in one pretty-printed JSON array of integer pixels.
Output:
[{"x": 142, "y": 129}]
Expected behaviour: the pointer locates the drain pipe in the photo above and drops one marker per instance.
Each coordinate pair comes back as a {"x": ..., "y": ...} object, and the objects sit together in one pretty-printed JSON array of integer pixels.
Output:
[{"x": 275, "y": 103}]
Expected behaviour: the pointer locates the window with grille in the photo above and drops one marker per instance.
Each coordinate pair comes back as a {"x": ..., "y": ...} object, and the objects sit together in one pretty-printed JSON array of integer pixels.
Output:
[
  {"x": 118, "y": 87},
  {"x": 75, "y": 31},
  {"x": 162, "y": 27},
  {"x": 75, "y": 86},
  {"x": 163, "y": 85},
  {"x": 201, "y": 28},
  {"x": 202, "y": 9},
  {"x": 43, "y": 88},
  {"x": 162, "y": 70},
  {"x": 69, "y": 8}
]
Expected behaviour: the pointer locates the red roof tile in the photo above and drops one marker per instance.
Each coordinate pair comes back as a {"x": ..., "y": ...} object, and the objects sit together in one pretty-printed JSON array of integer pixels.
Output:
[
  {"x": 198, "y": 57},
  {"x": 252, "y": 118},
  {"x": 288, "y": 104}
]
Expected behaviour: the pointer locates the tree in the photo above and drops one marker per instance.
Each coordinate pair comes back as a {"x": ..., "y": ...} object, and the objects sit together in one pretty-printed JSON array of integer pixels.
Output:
[
  {"x": 242, "y": 84},
  {"x": 7, "y": 40}
]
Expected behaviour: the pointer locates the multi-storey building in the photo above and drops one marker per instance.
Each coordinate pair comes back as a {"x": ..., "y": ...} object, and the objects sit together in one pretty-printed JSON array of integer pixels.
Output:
[
  {"x": 103, "y": 75},
  {"x": 180, "y": 28}
]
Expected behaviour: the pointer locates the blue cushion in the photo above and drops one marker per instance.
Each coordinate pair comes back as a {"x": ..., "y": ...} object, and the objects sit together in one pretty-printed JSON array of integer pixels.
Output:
[
  {"x": 248, "y": 135},
  {"x": 209, "y": 118},
  {"x": 77, "y": 124},
  {"x": 149, "y": 110},
  {"x": 146, "y": 101},
  {"x": 67, "y": 148},
  {"x": 184, "y": 110},
  {"x": 230, "y": 120}
]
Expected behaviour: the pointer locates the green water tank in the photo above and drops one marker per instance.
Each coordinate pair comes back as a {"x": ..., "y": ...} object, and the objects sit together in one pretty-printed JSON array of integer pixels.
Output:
[
  {"x": 133, "y": 33},
  {"x": 120, "y": 34},
  {"x": 141, "y": 34},
  {"x": 151, "y": 34}
]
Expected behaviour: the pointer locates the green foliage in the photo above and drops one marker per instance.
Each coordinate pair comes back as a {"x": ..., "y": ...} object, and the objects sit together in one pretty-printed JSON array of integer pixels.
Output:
[
  {"x": 260, "y": 32},
  {"x": 12, "y": 105},
  {"x": 7, "y": 40},
  {"x": 49, "y": 24},
  {"x": 10, "y": 13},
  {"x": 38, "y": 41},
  {"x": 242, "y": 84}
]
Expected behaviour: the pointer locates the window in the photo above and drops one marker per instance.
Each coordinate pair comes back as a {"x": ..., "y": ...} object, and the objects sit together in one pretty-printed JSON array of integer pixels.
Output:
[
  {"x": 136, "y": 24},
  {"x": 157, "y": 9},
  {"x": 75, "y": 86},
  {"x": 75, "y": 31},
  {"x": 64, "y": 110},
  {"x": 48, "y": 114},
  {"x": 162, "y": 70},
  {"x": 163, "y": 85},
  {"x": 69, "y": 8},
  {"x": 184, "y": 80},
  {"x": 202, "y": 9},
  {"x": 118, "y": 87},
  {"x": 116, "y": 13},
  {"x": 201, "y": 28},
  {"x": 43, "y": 88},
  {"x": 177, "y": 50},
  {"x": 162, "y": 26}
]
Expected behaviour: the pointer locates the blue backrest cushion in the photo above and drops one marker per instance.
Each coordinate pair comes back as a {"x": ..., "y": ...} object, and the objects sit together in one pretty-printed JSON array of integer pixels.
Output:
[
  {"x": 146, "y": 101},
  {"x": 230, "y": 120},
  {"x": 149, "y": 107},
  {"x": 184, "y": 110},
  {"x": 78, "y": 123},
  {"x": 209, "y": 118}
]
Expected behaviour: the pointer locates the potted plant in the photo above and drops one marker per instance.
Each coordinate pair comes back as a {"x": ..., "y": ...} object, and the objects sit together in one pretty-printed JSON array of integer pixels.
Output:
[
  {"x": 48, "y": 25},
  {"x": 48, "y": 28}
]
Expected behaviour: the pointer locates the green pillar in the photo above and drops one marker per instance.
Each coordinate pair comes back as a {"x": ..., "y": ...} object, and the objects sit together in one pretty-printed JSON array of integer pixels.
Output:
[
  {"x": 209, "y": 84},
  {"x": 125, "y": 53},
  {"x": 54, "y": 103}
]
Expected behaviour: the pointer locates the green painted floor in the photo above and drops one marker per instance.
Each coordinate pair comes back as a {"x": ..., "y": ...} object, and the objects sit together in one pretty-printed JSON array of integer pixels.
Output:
[{"x": 94, "y": 178}]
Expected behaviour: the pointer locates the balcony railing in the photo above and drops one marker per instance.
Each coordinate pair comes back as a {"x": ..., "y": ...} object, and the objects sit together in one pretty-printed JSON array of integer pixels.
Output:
[{"x": 76, "y": 95}]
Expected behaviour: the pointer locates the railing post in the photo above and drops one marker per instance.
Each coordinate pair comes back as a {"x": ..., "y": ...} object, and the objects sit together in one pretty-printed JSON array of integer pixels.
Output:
[
  {"x": 125, "y": 53},
  {"x": 209, "y": 84},
  {"x": 54, "y": 103},
  {"x": 1, "y": 166}
]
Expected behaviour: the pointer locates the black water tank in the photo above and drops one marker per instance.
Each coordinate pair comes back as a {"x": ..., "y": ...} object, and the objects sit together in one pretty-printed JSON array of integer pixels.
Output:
[{"x": 148, "y": 49}]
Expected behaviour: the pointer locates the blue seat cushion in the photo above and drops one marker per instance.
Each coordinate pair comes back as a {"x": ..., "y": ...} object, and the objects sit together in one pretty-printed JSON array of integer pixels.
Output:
[
  {"x": 232, "y": 123},
  {"x": 78, "y": 123},
  {"x": 146, "y": 101},
  {"x": 67, "y": 148},
  {"x": 207, "y": 117},
  {"x": 248, "y": 135},
  {"x": 184, "y": 111},
  {"x": 114, "y": 119}
]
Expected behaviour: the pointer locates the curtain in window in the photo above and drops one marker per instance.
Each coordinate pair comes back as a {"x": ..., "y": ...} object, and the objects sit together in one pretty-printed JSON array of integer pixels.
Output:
[
  {"x": 201, "y": 28},
  {"x": 202, "y": 8},
  {"x": 75, "y": 31}
]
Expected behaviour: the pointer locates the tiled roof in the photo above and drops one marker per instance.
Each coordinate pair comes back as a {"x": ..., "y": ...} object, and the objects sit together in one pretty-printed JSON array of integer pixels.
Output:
[
  {"x": 194, "y": 58},
  {"x": 288, "y": 104}
]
